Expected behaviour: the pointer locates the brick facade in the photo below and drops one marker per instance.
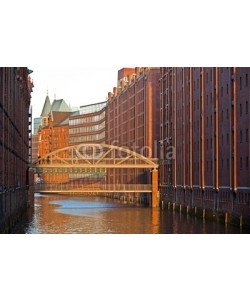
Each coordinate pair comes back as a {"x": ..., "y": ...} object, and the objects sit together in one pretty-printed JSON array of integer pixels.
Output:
[
  {"x": 132, "y": 119},
  {"x": 15, "y": 139},
  {"x": 53, "y": 137},
  {"x": 205, "y": 118}
]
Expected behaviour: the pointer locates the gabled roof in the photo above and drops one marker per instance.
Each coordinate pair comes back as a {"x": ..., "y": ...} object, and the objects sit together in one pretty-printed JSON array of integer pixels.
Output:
[
  {"x": 60, "y": 106},
  {"x": 46, "y": 107},
  {"x": 59, "y": 116},
  {"x": 65, "y": 122}
]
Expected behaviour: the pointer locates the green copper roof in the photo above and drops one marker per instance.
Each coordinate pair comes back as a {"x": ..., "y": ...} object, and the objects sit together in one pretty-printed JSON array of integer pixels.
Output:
[
  {"x": 46, "y": 107},
  {"x": 60, "y": 106}
]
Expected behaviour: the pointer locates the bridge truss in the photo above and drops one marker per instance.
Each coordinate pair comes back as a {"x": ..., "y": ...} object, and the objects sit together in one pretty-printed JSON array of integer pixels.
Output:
[{"x": 99, "y": 157}]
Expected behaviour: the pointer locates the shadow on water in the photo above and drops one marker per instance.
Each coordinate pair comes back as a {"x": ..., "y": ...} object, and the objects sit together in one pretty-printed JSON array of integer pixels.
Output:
[{"x": 93, "y": 214}]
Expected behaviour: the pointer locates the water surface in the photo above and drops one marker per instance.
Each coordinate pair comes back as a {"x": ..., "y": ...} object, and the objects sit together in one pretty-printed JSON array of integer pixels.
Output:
[{"x": 94, "y": 214}]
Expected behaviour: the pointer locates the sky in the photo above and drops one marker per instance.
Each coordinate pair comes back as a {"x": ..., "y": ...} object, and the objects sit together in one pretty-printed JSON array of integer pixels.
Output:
[{"x": 76, "y": 85}]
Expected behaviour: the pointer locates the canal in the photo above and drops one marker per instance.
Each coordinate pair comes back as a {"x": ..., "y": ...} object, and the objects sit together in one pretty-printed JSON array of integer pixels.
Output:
[{"x": 93, "y": 214}]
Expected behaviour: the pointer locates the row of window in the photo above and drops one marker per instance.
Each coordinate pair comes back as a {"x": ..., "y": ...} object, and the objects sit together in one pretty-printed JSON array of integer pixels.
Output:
[
  {"x": 246, "y": 163},
  {"x": 86, "y": 170},
  {"x": 87, "y": 138},
  {"x": 241, "y": 136},
  {"x": 92, "y": 108},
  {"x": 86, "y": 175},
  {"x": 196, "y": 125},
  {"x": 246, "y": 81},
  {"x": 222, "y": 140},
  {"x": 240, "y": 81},
  {"x": 196, "y": 106},
  {"x": 87, "y": 128},
  {"x": 246, "y": 108},
  {"x": 210, "y": 165},
  {"x": 92, "y": 119}
]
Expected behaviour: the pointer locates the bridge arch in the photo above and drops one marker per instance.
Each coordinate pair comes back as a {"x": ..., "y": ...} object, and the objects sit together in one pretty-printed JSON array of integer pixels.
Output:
[
  {"x": 93, "y": 155},
  {"x": 99, "y": 156}
]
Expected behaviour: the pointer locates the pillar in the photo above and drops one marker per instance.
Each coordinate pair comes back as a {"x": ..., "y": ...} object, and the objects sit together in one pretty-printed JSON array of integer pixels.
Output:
[{"x": 155, "y": 196}]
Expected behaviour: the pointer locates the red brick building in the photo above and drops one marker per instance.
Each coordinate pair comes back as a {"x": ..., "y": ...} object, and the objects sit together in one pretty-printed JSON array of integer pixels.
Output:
[
  {"x": 204, "y": 134},
  {"x": 54, "y": 134},
  {"x": 15, "y": 143},
  {"x": 132, "y": 118}
]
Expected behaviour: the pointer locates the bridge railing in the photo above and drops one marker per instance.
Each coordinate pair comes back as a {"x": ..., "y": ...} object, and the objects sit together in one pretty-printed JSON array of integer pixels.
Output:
[
  {"x": 92, "y": 187},
  {"x": 93, "y": 160}
]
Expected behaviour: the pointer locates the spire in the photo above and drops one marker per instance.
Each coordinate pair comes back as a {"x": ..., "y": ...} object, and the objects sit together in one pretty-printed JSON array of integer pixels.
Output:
[{"x": 46, "y": 107}]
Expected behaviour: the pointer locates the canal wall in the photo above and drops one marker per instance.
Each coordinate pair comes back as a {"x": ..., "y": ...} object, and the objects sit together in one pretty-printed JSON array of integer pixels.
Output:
[
  {"x": 135, "y": 198},
  {"x": 224, "y": 206},
  {"x": 13, "y": 206}
]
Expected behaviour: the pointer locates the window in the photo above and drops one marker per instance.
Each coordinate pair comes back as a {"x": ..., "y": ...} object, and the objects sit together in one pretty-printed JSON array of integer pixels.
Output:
[
  {"x": 247, "y": 162},
  {"x": 227, "y": 163},
  {"x": 246, "y": 79},
  {"x": 241, "y": 163},
  {"x": 240, "y": 136},
  {"x": 222, "y": 116},
  {"x": 221, "y": 91},
  {"x": 246, "y": 107},
  {"x": 88, "y": 109},
  {"x": 247, "y": 135},
  {"x": 240, "y": 83},
  {"x": 227, "y": 114},
  {"x": 227, "y": 138},
  {"x": 222, "y": 139},
  {"x": 227, "y": 88},
  {"x": 240, "y": 109}
]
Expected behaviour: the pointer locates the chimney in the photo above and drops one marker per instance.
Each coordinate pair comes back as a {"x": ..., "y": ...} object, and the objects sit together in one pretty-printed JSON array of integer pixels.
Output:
[
  {"x": 118, "y": 90},
  {"x": 110, "y": 95},
  {"x": 123, "y": 84}
]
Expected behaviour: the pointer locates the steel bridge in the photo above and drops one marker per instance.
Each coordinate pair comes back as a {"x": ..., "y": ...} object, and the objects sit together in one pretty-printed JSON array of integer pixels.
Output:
[{"x": 75, "y": 159}]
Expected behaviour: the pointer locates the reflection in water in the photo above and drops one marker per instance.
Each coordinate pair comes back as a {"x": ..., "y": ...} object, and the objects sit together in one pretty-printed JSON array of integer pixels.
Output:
[{"x": 93, "y": 214}]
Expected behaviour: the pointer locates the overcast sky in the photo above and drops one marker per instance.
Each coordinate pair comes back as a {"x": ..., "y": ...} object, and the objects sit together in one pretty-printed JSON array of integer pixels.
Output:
[{"x": 76, "y": 85}]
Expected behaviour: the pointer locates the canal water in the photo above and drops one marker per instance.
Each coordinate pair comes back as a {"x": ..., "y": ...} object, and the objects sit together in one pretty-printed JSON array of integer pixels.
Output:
[{"x": 94, "y": 214}]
